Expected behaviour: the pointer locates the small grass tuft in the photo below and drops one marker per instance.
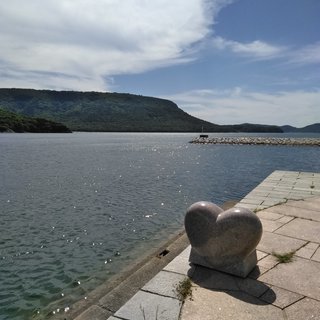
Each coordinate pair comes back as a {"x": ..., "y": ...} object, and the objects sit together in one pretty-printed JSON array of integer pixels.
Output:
[
  {"x": 312, "y": 186},
  {"x": 184, "y": 289},
  {"x": 284, "y": 257}
]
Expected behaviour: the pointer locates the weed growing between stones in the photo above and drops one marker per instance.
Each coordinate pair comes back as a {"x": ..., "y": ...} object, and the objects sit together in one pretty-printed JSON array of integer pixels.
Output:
[
  {"x": 184, "y": 289},
  {"x": 284, "y": 257}
]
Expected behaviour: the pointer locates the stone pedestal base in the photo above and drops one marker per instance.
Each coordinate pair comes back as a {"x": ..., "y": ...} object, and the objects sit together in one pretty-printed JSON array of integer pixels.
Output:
[{"x": 239, "y": 268}]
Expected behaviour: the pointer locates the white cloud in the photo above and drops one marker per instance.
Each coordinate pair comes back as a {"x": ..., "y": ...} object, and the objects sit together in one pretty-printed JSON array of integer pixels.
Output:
[
  {"x": 307, "y": 55},
  {"x": 261, "y": 50},
  {"x": 233, "y": 106},
  {"x": 256, "y": 49},
  {"x": 79, "y": 43}
]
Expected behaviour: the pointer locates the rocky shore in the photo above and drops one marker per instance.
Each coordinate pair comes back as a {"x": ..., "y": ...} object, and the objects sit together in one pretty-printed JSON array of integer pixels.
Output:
[{"x": 259, "y": 141}]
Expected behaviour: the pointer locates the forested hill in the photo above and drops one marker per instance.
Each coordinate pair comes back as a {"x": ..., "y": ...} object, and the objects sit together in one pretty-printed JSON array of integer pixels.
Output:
[
  {"x": 118, "y": 112},
  {"x": 13, "y": 122},
  {"x": 310, "y": 128}
]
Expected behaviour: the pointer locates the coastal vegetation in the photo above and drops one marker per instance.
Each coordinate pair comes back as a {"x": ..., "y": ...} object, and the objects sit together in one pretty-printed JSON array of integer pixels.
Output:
[
  {"x": 13, "y": 122},
  {"x": 112, "y": 112}
]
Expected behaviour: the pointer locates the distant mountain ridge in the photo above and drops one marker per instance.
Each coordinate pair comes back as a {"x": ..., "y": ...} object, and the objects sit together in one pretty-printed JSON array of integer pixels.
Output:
[
  {"x": 310, "y": 128},
  {"x": 112, "y": 112}
]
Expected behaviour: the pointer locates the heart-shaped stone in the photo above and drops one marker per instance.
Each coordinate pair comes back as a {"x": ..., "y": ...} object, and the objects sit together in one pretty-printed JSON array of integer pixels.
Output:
[{"x": 223, "y": 240}]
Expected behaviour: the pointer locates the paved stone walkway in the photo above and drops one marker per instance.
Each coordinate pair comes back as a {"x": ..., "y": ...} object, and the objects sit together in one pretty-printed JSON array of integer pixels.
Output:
[{"x": 288, "y": 204}]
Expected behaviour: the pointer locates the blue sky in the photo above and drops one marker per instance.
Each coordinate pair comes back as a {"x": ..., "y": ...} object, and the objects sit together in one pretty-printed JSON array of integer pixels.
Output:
[{"x": 223, "y": 61}]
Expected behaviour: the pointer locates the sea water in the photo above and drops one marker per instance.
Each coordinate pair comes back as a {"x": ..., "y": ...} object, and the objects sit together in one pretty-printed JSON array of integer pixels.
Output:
[{"x": 76, "y": 208}]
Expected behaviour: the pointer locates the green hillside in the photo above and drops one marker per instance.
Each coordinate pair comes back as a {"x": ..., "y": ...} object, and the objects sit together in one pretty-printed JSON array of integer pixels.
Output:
[
  {"x": 119, "y": 112},
  {"x": 13, "y": 122},
  {"x": 310, "y": 128}
]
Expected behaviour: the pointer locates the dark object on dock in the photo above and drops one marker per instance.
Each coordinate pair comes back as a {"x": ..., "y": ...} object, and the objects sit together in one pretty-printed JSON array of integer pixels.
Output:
[{"x": 204, "y": 136}]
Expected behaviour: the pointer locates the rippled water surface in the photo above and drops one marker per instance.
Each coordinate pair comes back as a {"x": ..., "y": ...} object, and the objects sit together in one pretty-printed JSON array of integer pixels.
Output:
[{"x": 76, "y": 208}]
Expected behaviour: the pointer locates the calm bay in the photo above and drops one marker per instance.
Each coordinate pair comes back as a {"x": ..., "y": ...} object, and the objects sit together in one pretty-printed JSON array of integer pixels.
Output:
[{"x": 77, "y": 208}]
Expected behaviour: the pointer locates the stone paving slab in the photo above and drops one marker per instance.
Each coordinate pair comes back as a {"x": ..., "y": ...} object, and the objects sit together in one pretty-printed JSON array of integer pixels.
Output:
[
  {"x": 252, "y": 286},
  {"x": 271, "y": 242},
  {"x": 267, "y": 215},
  {"x": 214, "y": 280},
  {"x": 180, "y": 264},
  {"x": 285, "y": 219},
  {"x": 257, "y": 272},
  {"x": 310, "y": 204},
  {"x": 251, "y": 201},
  {"x": 261, "y": 255},
  {"x": 278, "y": 194},
  {"x": 299, "y": 195},
  {"x": 307, "y": 251},
  {"x": 220, "y": 305},
  {"x": 306, "y": 309},
  {"x": 301, "y": 229},
  {"x": 249, "y": 206},
  {"x": 165, "y": 284},
  {"x": 145, "y": 305},
  {"x": 280, "y": 297},
  {"x": 268, "y": 262},
  {"x": 272, "y": 201},
  {"x": 289, "y": 210},
  {"x": 316, "y": 256},
  {"x": 301, "y": 276},
  {"x": 271, "y": 226},
  {"x": 257, "y": 194}
]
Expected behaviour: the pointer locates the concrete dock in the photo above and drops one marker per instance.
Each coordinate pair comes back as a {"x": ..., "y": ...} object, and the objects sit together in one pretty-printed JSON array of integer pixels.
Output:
[{"x": 288, "y": 205}]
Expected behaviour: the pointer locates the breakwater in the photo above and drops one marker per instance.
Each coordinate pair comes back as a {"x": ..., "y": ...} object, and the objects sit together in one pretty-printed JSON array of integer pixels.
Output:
[{"x": 258, "y": 141}]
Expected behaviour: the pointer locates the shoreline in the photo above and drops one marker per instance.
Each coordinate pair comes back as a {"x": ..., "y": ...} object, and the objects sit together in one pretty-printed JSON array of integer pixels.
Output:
[
  {"x": 115, "y": 291},
  {"x": 275, "y": 141}
]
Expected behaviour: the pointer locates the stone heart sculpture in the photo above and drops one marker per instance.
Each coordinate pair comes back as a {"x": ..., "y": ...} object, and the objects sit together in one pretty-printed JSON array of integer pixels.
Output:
[{"x": 223, "y": 240}]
